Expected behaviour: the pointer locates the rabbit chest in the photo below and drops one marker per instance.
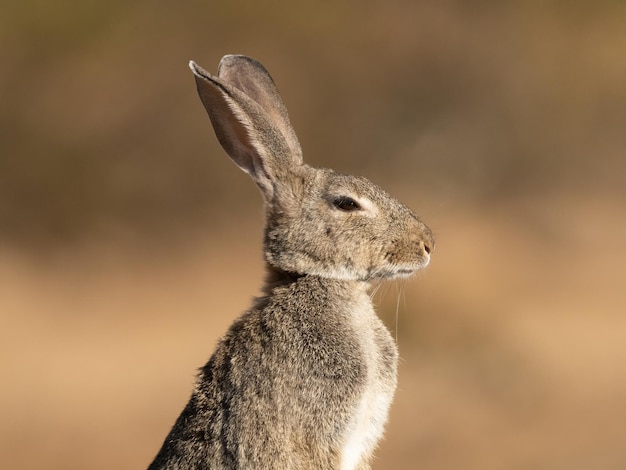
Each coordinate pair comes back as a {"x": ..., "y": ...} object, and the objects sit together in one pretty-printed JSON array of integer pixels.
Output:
[
  {"x": 379, "y": 353},
  {"x": 344, "y": 354}
]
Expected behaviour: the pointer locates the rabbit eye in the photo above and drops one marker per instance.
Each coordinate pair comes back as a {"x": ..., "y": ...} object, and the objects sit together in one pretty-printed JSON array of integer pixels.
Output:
[{"x": 346, "y": 204}]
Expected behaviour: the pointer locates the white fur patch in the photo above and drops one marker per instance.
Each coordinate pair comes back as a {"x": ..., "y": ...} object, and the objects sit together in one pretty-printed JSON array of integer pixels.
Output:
[
  {"x": 366, "y": 430},
  {"x": 370, "y": 416},
  {"x": 369, "y": 208}
]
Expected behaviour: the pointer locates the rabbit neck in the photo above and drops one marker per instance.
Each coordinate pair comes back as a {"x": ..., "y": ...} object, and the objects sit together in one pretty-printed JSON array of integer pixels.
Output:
[{"x": 276, "y": 278}]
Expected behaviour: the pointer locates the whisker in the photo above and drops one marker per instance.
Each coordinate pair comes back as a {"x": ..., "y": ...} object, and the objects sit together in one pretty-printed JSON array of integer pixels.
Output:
[
  {"x": 375, "y": 290},
  {"x": 397, "y": 310}
]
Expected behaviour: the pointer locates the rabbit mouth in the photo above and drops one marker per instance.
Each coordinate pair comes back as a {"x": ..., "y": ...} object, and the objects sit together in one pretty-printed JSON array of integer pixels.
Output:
[
  {"x": 404, "y": 272},
  {"x": 399, "y": 273},
  {"x": 392, "y": 274},
  {"x": 402, "y": 269},
  {"x": 396, "y": 272}
]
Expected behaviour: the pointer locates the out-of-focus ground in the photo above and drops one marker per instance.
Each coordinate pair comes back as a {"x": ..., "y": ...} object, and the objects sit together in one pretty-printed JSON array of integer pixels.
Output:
[{"x": 129, "y": 242}]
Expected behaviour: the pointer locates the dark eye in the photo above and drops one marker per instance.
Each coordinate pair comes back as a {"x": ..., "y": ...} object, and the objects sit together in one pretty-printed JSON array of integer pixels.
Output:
[{"x": 346, "y": 204}]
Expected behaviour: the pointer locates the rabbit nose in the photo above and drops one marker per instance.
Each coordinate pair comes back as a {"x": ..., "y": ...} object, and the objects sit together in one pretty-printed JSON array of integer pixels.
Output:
[
  {"x": 425, "y": 238},
  {"x": 428, "y": 245},
  {"x": 426, "y": 248}
]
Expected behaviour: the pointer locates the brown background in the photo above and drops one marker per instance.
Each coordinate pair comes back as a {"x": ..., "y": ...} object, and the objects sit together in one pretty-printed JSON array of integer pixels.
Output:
[{"x": 129, "y": 242}]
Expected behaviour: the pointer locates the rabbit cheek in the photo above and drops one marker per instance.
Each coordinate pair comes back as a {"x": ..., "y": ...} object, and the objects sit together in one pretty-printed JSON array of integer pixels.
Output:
[{"x": 395, "y": 258}]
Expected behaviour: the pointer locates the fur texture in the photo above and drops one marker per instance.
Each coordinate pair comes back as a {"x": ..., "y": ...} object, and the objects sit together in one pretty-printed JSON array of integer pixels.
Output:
[{"x": 304, "y": 379}]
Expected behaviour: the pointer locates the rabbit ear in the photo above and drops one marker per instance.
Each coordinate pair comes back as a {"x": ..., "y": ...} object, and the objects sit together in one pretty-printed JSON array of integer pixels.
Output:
[
  {"x": 252, "y": 134},
  {"x": 254, "y": 80}
]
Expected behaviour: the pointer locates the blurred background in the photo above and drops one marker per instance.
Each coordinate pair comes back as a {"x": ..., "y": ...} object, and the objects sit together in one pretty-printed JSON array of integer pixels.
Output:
[{"x": 129, "y": 242}]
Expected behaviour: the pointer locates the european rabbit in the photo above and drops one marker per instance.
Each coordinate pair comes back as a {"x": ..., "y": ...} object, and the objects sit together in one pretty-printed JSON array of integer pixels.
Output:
[{"x": 304, "y": 378}]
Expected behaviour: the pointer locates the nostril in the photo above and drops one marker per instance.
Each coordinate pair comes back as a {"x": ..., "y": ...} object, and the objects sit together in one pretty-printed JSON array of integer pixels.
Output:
[{"x": 428, "y": 246}]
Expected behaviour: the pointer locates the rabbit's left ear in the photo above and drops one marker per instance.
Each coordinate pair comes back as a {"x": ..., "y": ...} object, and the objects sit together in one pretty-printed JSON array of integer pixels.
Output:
[{"x": 250, "y": 120}]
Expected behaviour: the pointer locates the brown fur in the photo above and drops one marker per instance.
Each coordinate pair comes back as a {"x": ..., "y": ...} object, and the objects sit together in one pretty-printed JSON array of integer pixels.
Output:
[{"x": 304, "y": 378}]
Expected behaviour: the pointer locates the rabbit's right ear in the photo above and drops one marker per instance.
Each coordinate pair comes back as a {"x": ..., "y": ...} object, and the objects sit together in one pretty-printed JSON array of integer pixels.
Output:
[{"x": 250, "y": 120}]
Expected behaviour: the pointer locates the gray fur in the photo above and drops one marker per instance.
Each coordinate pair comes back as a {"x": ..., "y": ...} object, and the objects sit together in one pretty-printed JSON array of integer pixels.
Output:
[{"x": 302, "y": 380}]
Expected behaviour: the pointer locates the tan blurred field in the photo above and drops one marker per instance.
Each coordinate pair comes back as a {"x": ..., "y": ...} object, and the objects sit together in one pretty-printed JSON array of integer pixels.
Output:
[
  {"x": 129, "y": 242},
  {"x": 512, "y": 343}
]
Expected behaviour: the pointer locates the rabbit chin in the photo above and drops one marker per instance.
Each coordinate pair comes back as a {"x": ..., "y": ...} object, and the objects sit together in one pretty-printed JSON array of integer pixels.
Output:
[
  {"x": 386, "y": 272},
  {"x": 398, "y": 271}
]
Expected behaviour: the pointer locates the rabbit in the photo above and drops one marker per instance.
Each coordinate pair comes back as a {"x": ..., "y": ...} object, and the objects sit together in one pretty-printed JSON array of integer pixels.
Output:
[{"x": 304, "y": 378}]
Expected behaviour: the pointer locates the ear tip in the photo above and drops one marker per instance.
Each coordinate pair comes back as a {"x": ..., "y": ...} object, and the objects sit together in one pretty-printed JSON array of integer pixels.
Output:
[
  {"x": 228, "y": 62},
  {"x": 193, "y": 67},
  {"x": 238, "y": 62},
  {"x": 199, "y": 71},
  {"x": 230, "y": 58}
]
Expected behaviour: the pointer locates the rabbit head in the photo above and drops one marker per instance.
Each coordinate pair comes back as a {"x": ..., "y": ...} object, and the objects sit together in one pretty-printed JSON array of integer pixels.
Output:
[{"x": 319, "y": 222}]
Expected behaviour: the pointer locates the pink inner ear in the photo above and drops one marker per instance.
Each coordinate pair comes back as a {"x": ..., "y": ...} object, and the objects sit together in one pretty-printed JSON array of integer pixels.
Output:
[
  {"x": 235, "y": 129},
  {"x": 252, "y": 79}
]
